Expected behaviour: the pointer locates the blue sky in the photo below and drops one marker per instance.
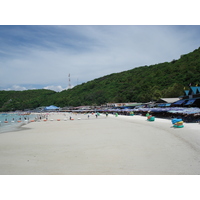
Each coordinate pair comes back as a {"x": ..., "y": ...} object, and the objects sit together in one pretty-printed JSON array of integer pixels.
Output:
[{"x": 43, "y": 56}]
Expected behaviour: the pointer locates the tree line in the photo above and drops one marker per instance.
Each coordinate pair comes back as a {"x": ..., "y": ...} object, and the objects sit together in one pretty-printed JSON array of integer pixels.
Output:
[{"x": 141, "y": 84}]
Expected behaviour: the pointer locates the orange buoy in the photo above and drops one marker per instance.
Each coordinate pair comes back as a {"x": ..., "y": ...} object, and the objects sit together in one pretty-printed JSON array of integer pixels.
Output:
[
  {"x": 58, "y": 119},
  {"x": 45, "y": 120},
  {"x": 18, "y": 121},
  {"x": 5, "y": 121}
]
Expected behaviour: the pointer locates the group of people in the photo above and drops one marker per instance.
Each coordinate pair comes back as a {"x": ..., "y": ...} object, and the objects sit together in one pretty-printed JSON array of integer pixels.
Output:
[{"x": 96, "y": 115}]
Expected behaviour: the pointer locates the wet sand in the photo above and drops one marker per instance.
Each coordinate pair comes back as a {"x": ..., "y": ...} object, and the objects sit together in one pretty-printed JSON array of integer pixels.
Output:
[{"x": 123, "y": 145}]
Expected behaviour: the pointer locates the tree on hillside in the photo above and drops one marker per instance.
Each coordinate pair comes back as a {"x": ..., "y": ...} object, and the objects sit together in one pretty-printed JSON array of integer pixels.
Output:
[{"x": 175, "y": 90}]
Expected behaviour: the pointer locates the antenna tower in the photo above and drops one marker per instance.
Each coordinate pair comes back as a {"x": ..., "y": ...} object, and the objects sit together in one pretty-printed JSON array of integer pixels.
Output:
[{"x": 69, "y": 83}]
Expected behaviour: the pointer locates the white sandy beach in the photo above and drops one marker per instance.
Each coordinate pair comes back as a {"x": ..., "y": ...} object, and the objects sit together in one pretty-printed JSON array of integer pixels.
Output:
[{"x": 123, "y": 145}]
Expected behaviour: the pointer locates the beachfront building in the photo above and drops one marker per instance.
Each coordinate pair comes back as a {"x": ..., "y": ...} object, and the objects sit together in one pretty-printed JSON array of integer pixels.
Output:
[
  {"x": 109, "y": 105},
  {"x": 190, "y": 98},
  {"x": 39, "y": 109}
]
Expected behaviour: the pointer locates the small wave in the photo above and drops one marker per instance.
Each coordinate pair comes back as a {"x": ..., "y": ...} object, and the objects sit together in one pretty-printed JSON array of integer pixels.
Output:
[{"x": 13, "y": 122}]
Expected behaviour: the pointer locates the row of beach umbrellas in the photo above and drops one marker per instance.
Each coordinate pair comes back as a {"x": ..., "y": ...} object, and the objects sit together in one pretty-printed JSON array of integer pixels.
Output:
[{"x": 180, "y": 110}]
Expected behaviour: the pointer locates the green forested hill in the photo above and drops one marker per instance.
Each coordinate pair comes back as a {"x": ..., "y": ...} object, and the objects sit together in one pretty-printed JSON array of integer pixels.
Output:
[
  {"x": 20, "y": 100},
  {"x": 140, "y": 84}
]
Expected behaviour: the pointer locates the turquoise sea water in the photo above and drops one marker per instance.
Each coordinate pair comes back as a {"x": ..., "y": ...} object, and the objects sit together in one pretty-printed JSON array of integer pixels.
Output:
[{"x": 11, "y": 122}]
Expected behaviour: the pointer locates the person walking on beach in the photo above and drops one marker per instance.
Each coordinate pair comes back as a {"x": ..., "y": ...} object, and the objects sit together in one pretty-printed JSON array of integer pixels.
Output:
[
  {"x": 88, "y": 116},
  {"x": 96, "y": 115}
]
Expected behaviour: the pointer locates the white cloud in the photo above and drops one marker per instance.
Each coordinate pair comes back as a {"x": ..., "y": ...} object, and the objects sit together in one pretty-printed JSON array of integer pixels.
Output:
[
  {"x": 55, "y": 88},
  {"x": 51, "y": 87},
  {"x": 17, "y": 88}
]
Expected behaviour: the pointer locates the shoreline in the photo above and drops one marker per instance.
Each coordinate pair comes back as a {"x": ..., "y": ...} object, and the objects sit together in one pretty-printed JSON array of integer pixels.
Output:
[{"x": 123, "y": 145}]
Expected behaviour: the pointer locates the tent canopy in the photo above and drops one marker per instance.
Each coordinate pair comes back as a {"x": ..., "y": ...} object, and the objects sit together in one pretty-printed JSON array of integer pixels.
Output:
[
  {"x": 179, "y": 102},
  {"x": 52, "y": 108},
  {"x": 167, "y": 100},
  {"x": 191, "y": 101}
]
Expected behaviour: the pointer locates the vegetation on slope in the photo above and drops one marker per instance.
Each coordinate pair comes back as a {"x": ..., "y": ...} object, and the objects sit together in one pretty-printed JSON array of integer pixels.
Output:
[
  {"x": 20, "y": 100},
  {"x": 141, "y": 84}
]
